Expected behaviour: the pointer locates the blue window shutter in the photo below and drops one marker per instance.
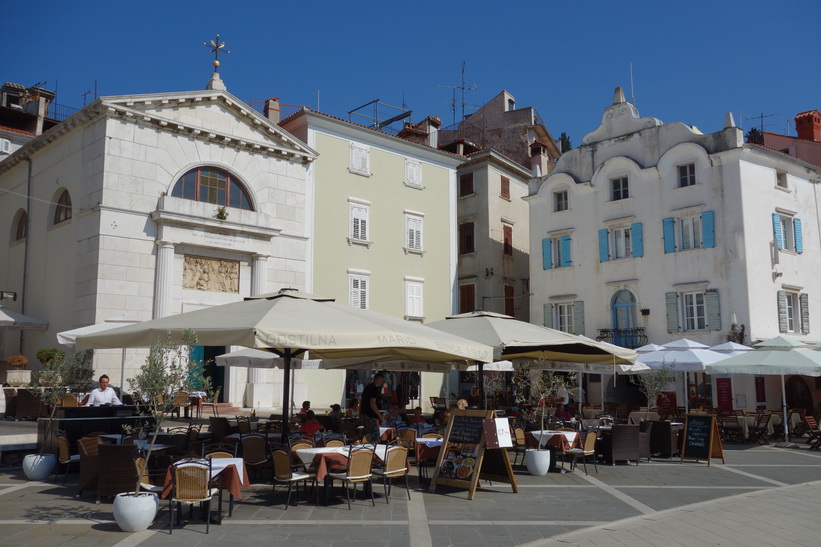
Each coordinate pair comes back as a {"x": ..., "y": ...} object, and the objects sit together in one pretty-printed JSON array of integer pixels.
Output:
[
  {"x": 671, "y": 299},
  {"x": 547, "y": 253},
  {"x": 578, "y": 317},
  {"x": 567, "y": 260},
  {"x": 713, "y": 310},
  {"x": 637, "y": 239},
  {"x": 604, "y": 240},
  {"x": 779, "y": 237},
  {"x": 799, "y": 237},
  {"x": 669, "y": 232},
  {"x": 548, "y": 316},
  {"x": 708, "y": 229}
]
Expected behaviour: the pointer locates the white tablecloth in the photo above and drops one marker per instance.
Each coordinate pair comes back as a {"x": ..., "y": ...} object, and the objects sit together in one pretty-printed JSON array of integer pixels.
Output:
[
  {"x": 307, "y": 454},
  {"x": 429, "y": 442},
  {"x": 544, "y": 436}
]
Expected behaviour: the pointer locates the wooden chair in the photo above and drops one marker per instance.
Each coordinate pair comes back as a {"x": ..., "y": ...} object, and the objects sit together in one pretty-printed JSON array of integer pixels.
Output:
[
  {"x": 758, "y": 431},
  {"x": 814, "y": 433},
  {"x": 192, "y": 484},
  {"x": 284, "y": 473},
  {"x": 64, "y": 457},
  {"x": 729, "y": 429},
  {"x": 213, "y": 402},
  {"x": 407, "y": 438},
  {"x": 395, "y": 465},
  {"x": 89, "y": 455},
  {"x": 358, "y": 470},
  {"x": 589, "y": 449}
]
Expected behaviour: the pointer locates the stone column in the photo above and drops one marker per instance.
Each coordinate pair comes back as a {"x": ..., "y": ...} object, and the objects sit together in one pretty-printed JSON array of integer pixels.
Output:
[
  {"x": 259, "y": 274},
  {"x": 259, "y": 380},
  {"x": 164, "y": 279}
]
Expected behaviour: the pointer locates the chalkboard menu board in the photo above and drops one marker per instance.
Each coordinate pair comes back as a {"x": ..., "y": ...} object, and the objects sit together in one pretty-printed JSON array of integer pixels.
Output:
[
  {"x": 701, "y": 438},
  {"x": 467, "y": 429}
]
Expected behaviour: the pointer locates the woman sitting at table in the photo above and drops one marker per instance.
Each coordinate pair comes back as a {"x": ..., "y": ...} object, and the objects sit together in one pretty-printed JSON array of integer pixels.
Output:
[
  {"x": 561, "y": 413},
  {"x": 306, "y": 406},
  {"x": 311, "y": 425}
]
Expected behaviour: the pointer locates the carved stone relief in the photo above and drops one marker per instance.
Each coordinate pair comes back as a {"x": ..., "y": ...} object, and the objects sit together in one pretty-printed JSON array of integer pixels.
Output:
[{"x": 210, "y": 274}]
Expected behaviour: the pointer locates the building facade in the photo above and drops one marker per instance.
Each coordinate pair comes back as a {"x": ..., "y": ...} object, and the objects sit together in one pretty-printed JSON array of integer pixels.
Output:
[
  {"x": 653, "y": 232},
  {"x": 151, "y": 205}
]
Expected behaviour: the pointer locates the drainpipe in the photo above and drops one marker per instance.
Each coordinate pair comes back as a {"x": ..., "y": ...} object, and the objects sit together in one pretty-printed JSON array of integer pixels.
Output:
[{"x": 26, "y": 249}]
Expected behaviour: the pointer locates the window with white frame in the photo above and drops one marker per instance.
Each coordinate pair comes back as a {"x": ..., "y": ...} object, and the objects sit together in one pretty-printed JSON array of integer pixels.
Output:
[
  {"x": 413, "y": 298},
  {"x": 793, "y": 312},
  {"x": 560, "y": 201},
  {"x": 413, "y": 232},
  {"x": 564, "y": 317},
  {"x": 788, "y": 233},
  {"x": 621, "y": 243},
  {"x": 360, "y": 159},
  {"x": 413, "y": 173},
  {"x": 358, "y": 290},
  {"x": 359, "y": 211},
  {"x": 556, "y": 252},
  {"x": 686, "y": 175},
  {"x": 690, "y": 233},
  {"x": 695, "y": 311},
  {"x": 567, "y": 316},
  {"x": 619, "y": 189}
]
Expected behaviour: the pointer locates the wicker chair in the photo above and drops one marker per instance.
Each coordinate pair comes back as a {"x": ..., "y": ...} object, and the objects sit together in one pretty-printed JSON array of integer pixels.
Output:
[
  {"x": 255, "y": 451},
  {"x": 89, "y": 455},
  {"x": 358, "y": 470},
  {"x": 284, "y": 473},
  {"x": 213, "y": 402},
  {"x": 622, "y": 444},
  {"x": 519, "y": 444},
  {"x": 181, "y": 400},
  {"x": 64, "y": 457},
  {"x": 243, "y": 425},
  {"x": 219, "y": 428},
  {"x": 147, "y": 483},
  {"x": 219, "y": 450},
  {"x": 117, "y": 470},
  {"x": 395, "y": 465},
  {"x": 335, "y": 443},
  {"x": 645, "y": 430},
  {"x": 192, "y": 484},
  {"x": 589, "y": 449},
  {"x": 407, "y": 438},
  {"x": 663, "y": 439}
]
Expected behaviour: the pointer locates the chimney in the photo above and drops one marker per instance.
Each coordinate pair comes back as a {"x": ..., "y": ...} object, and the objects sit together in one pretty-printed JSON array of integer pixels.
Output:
[
  {"x": 271, "y": 110},
  {"x": 538, "y": 158},
  {"x": 808, "y": 125}
]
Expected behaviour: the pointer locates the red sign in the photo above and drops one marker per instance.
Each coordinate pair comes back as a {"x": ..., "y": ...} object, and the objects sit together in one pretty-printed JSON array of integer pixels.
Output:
[
  {"x": 724, "y": 387},
  {"x": 760, "y": 396}
]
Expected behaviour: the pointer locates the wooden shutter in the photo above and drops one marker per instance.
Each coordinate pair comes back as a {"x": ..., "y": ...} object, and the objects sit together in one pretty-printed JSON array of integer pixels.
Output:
[
  {"x": 671, "y": 299},
  {"x": 359, "y": 159},
  {"x": 507, "y": 231},
  {"x": 547, "y": 253},
  {"x": 799, "y": 236},
  {"x": 708, "y": 236},
  {"x": 466, "y": 237},
  {"x": 804, "y": 300},
  {"x": 669, "y": 233},
  {"x": 779, "y": 237},
  {"x": 467, "y": 298},
  {"x": 505, "y": 187},
  {"x": 465, "y": 184},
  {"x": 548, "y": 315},
  {"x": 637, "y": 239},
  {"x": 783, "y": 322},
  {"x": 604, "y": 245},
  {"x": 510, "y": 306},
  {"x": 564, "y": 241},
  {"x": 578, "y": 317},
  {"x": 713, "y": 310}
]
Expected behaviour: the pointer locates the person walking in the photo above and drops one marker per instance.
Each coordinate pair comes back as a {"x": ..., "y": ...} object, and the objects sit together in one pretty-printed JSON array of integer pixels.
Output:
[{"x": 370, "y": 409}]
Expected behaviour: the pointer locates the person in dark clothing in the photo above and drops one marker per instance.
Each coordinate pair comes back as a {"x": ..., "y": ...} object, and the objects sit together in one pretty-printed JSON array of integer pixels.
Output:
[{"x": 371, "y": 412}]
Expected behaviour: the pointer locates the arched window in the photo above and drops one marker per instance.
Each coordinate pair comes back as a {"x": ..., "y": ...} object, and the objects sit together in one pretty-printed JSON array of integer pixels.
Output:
[
  {"x": 21, "y": 230},
  {"x": 62, "y": 212},
  {"x": 211, "y": 185},
  {"x": 624, "y": 319}
]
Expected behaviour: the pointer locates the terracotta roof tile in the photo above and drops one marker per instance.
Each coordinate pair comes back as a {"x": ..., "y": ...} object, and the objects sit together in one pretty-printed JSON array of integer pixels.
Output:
[{"x": 13, "y": 130}]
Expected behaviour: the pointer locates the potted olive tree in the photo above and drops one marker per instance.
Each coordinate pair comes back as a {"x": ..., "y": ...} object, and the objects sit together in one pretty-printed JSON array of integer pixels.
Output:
[
  {"x": 536, "y": 385},
  {"x": 654, "y": 383},
  {"x": 67, "y": 374},
  {"x": 167, "y": 370}
]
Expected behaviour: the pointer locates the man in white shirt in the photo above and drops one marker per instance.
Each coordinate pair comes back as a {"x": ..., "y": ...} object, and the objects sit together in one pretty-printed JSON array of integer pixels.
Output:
[{"x": 103, "y": 395}]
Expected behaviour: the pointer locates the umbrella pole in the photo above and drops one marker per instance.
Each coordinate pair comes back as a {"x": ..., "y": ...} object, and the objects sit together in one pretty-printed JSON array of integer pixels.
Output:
[
  {"x": 784, "y": 409},
  {"x": 286, "y": 393},
  {"x": 122, "y": 373},
  {"x": 686, "y": 393},
  {"x": 482, "y": 385}
]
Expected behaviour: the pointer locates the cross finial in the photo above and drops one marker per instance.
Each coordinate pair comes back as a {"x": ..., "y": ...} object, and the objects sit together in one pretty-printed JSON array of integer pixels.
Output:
[{"x": 216, "y": 48}]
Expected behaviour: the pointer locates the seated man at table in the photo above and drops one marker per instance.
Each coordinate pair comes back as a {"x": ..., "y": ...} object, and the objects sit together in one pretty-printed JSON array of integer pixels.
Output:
[
  {"x": 306, "y": 406},
  {"x": 417, "y": 417},
  {"x": 103, "y": 395},
  {"x": 335, "y": 415},
  {"x": 311, "y": 425},
  {"x": 393, "y": 418},
  {"x": 561, "y": 413}
]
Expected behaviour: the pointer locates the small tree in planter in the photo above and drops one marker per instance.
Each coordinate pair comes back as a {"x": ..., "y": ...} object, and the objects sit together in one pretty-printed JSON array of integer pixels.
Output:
[
  {"x": 47, "y": 356},
  {"x": 654, "y": 383},
  {"x": 167, "y": 370},
  {"x": 68, "y": 373}
]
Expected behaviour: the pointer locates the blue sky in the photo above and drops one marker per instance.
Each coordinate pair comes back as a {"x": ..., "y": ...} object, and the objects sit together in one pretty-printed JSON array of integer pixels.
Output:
[{"x": 692, "y": 61}]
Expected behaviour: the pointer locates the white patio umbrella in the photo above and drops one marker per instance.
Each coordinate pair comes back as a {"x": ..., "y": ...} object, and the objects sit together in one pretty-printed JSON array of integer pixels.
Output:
[
  {"x": 289, "y": 323},
  {"x": 780, "y": 356},
  {"x": 17, "y": 321},
  {"x": 731, "y": 348},
  {"x": 647, "y": 348},
  {"x": 69, "y": 337}
]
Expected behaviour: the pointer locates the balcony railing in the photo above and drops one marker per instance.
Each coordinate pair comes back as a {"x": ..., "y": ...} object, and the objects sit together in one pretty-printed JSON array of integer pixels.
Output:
[
  {"x": 627, "y": 338},
  {"x": 60, "y": 112}
]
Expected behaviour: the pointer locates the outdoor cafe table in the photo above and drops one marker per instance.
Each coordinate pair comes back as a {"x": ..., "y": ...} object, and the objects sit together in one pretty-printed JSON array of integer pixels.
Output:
[
  {"x": 555, "y": 441},
  {"x": 231, "y": 472},
  {"x": 323, "y": 458},
  {"x": 639, "y": 416},
  {"x": 427, "y": 448},
  {"x": 746, "y": 422}
]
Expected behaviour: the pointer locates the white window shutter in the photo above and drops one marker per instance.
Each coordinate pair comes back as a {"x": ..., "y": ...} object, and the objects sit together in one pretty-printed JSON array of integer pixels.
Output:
[
  {"x": 413, "y": 173},
  {"x": 804, "y": 299}
]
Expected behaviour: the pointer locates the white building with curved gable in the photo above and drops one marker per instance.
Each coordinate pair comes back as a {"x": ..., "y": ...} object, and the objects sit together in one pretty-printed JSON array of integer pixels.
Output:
[
  {"x": 152, "y": 205},
  {"x": 651, "y": 232}
]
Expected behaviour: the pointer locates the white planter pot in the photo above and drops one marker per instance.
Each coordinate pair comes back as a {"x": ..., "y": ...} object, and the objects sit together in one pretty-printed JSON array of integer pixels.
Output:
[
  {"x": 537, "y": 461},
  {"x": 38, "y": 467},
  {"x": 18, "y": 377},
  {"x": 135, "y": 513}
]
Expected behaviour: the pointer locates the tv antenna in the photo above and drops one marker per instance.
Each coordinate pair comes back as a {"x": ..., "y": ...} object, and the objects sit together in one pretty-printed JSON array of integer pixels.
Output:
[
  {"x": 760, "y": 118},
  {"x": 463, "y": 88}
]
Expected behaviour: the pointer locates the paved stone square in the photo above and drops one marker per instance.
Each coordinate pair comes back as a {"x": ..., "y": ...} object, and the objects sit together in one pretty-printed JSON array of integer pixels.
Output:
[{"x": 762, "y": 495}]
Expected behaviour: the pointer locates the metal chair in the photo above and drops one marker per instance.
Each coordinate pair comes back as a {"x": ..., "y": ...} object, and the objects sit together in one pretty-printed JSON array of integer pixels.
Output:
[
  {"x": 284, "y": 473},
  {"x": 192, "y": 484},
  {"x": 254, "y": 451},
  {"x": 589, "y": 449},
  {"x": 395, "y": 465},
  {"x": 213, "y": 402},
  {"x": 64, "y": 458},
  {"x": 358, "y": 470}
]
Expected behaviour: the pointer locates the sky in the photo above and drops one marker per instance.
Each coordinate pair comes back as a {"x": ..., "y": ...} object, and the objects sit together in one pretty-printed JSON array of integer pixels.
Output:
[{"x": 692, "y": 61}]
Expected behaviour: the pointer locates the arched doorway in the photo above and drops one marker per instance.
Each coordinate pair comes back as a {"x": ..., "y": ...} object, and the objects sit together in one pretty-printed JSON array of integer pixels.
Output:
[
  {"x": 799, "y": 394},
  {"x": 624, "y": 319}
]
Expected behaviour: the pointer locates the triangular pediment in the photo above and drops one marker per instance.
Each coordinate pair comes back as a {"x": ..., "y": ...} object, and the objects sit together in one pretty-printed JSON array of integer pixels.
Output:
[{"x": 212, "y": 115}]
